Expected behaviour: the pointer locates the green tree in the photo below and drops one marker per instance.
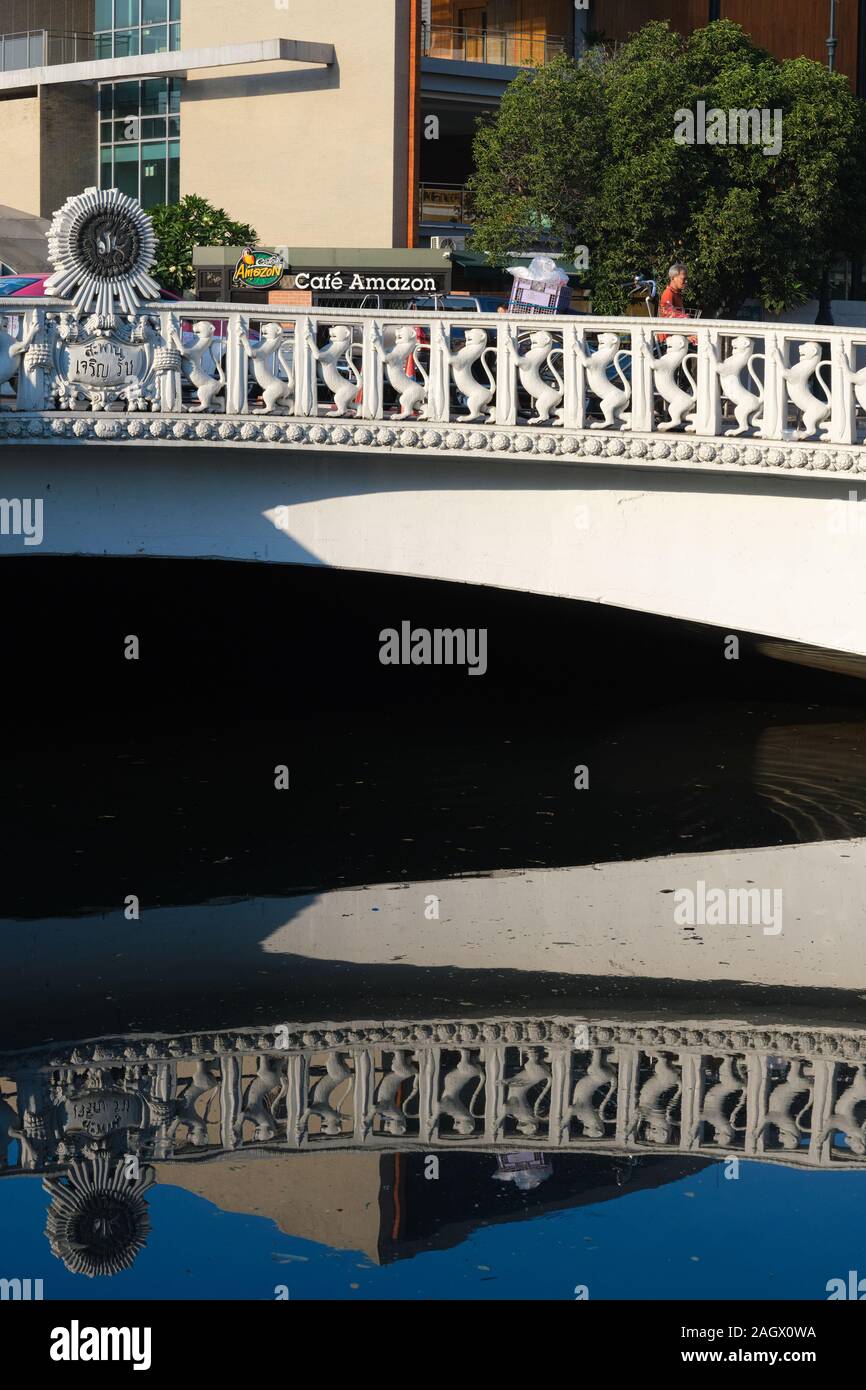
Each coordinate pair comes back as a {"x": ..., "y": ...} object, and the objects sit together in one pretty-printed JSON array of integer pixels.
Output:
[
  {"x": 586, "y": 152},
  {"x": 182, "y": 226}
]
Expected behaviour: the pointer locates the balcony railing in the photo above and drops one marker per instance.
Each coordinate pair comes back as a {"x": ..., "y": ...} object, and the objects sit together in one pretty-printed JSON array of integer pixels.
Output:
[
  {"x": 443, "y": 202},
  {"x": 39, "y": 48},
  {"x": 506, "y": 48},
  {"x": 691, "y": 393}
]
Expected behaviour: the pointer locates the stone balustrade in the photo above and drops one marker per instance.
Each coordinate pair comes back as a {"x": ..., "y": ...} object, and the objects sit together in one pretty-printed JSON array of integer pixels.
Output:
[
  {"x": 789, "y": 1095},
  {"x": 694, "y": 394}
]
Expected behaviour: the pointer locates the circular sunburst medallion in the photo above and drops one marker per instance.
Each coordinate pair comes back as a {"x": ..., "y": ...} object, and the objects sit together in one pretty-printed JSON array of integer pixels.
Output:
[
  {"x": 102, "y": 246},
  {"x": 97, "y": 1221}
]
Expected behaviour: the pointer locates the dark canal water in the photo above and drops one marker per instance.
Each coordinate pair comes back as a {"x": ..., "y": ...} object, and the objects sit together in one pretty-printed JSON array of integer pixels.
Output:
[{"x": 427, "y": 1022}]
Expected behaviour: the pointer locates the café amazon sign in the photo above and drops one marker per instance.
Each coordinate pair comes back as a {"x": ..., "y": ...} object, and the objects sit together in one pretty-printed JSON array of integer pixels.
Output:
[
  {"x": 258, "y": 270},
  {"x": 381, "y": 281},
  {"x": 349, "y": 273}
]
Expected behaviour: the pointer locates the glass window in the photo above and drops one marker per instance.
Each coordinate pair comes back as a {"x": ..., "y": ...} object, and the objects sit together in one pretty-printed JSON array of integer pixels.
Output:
[
  {"x": 174, "y": 94},
  {"x": 103, "y": 17},
  {"x": 104, "y": 46},
  {"x": 106, "y": 132},
  {"x": 126, "y": 13},
  {"x": 37, "y": 54},
  {"x": 153, "y": 173},
  {"x": 16, "y": 52},
  {"x": 106, "y": 102},
  {"x": 153, "y": 127},
  {"x": 126, "y": 43},
  {"x": 128, "y": 130},
  {"x": 155, "y": 39},
  {"x": 106, "y": 176},
  {"x": 126, "y": 99},
  {"x": 175, "y": 37},
  {"x": 126, "y": 169},
  {"x": 154, "y": 11},
  {"x": 173, "y": 195},
  {"x": 154, "y": 97},
  {"x": 174, "y": 126},
  {"x": 174, "y": 10}
]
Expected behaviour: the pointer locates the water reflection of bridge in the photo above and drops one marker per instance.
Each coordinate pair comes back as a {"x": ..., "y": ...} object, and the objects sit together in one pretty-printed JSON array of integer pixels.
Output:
[{"x": 786, "y": 1095}]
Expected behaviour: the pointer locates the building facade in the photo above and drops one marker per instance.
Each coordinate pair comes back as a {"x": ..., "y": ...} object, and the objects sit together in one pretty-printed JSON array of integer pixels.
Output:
[
  {"x": 321, "y": 122},
  {"x": 298, "y": 119}
]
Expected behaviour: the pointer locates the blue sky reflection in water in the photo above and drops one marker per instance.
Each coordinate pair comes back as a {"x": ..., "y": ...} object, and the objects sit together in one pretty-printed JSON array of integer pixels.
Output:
[{"x": 772, "y": 1233}]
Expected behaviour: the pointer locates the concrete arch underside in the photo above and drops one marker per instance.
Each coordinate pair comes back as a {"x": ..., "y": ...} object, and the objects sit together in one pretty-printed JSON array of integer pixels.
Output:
[{"x": 779, "y": 556}]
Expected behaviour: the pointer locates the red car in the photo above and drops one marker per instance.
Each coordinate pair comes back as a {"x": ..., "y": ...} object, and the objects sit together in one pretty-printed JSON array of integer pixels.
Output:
[{"x": 33, "y": 287}]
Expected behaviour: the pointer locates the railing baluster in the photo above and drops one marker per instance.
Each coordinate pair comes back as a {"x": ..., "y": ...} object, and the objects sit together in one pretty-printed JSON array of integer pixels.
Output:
[
  {"x": 641, "y": 379},
  {"x": 428, "y": 1084},
  {"x": 236, "y": 365},
  {"x": 574, "y": 399},
  {"x": 708, "y": 419},
  {"x": 306, "y": 381},
  {"x": 560, "y": 1075},
  {"x": 362, "y": 1093},
  {"x": 170, "y": 381},
  {"x": 627, "y": 1059},
  {"x": 756, "y": 1103},
  {"x": 493, "y": 1059},
  {"x": 506, "y": 392},
  {"x": 843, "y": 415},
  {"x": 372, "y": 407},
  {"x": 230, "y": 1095},
  {"x": 773, "y": 418},
  {"x": 31, "y": 376},
  {"x": 440, "y": 380},
  {"x": 297, "y": 1067},
  {"x": 692, "y": 1078},
  {"x": 824, "y": 1070}
]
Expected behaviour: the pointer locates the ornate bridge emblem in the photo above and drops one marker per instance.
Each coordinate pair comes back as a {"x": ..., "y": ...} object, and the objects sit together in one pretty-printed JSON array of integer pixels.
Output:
[
  {"x": 110, "y": 244},
  {"x": 102, "y": 246}
]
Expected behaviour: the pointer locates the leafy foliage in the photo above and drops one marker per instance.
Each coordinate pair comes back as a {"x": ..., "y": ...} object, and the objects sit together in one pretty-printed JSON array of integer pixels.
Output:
[
  {"x": 584, "y": 153},
  {"x": 182, "y": 226}
]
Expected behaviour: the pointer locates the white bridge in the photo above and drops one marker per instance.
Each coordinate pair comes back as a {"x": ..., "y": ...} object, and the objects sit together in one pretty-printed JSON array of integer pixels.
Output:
[{"x": 701, "y": 470}]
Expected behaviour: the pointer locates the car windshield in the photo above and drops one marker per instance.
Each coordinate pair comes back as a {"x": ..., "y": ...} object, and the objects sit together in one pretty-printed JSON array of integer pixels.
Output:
[
  {"x": 12, "y": 284},
  {"x": 463, "y": 302}
]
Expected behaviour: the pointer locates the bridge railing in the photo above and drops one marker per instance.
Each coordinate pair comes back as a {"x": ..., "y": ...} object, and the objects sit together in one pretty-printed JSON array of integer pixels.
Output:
[
  {"x": 561, "y": 1085},
  {"x": 577, "y": 385}
]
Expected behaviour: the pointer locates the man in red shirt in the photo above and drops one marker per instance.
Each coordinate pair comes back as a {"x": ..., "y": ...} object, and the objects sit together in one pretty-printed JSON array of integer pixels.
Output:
[{"x": 671, "y": 303}]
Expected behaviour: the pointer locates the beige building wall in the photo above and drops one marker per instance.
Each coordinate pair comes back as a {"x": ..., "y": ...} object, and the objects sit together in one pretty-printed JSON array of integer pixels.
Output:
[
  {"x": 311, "y": 156},
  {"x": 69, "y": 148},
  {"x": 48, "y": 148},
  {"x": 332, "y": 1198},
  {"x": 48, "y": 139},
  {"x": 20, "y": 161}
]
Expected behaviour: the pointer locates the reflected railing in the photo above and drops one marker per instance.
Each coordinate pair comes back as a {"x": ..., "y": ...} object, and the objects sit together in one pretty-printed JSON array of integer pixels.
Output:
[{"x": 784, "y": 1095}]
